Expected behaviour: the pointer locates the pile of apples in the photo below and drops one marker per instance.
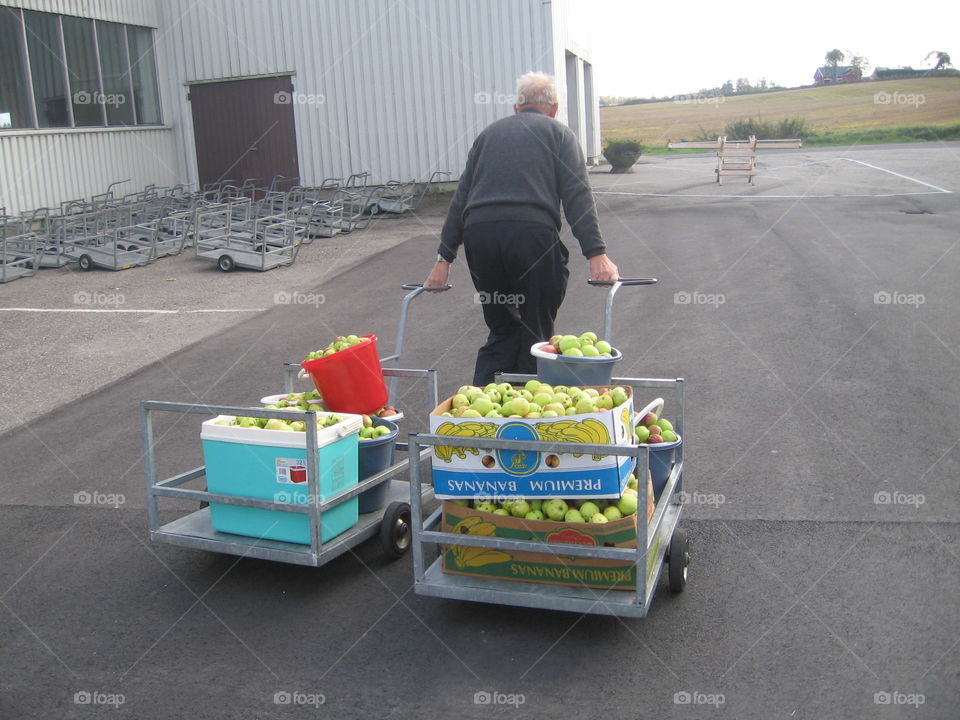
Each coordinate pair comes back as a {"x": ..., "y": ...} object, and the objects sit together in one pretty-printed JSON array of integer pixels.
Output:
[
  {"x": 653, "y": 430},
  {"x": 341, "y": 342},
  {"x": 369, "y": 431},
  {"x": 584, "y": 345},
  {"x": 533, "y": 400},
  {"x": 567, "y": 511},
  {"x": 312, "y": 401},
  {"x": 278, "y": 424}
]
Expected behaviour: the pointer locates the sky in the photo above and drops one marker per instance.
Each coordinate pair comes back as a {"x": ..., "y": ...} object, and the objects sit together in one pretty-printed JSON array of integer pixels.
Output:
[{"x": 644, "y": 49}]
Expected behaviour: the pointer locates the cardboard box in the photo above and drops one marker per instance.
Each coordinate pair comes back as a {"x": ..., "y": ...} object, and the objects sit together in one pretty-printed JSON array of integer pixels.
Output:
[
  {"x": 471, "y": 472},
  {"x": 554, "y": 567}
]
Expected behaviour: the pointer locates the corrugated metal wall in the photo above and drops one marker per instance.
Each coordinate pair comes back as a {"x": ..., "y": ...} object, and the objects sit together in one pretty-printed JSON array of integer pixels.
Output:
[
  {"x": 42, "y": 169},
  {"x": 132, "y": 12},
  {"x": 404, "y": 86}
]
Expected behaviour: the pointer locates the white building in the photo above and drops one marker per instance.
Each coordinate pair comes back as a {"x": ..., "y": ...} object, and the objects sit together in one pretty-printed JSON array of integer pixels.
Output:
[{"x": 192, "y": 91}]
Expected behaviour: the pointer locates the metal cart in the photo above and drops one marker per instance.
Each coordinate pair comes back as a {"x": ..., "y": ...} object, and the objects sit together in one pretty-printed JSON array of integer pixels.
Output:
[
  {"x": 663, "y": 543},
  {"x": 391, "y": 525}
]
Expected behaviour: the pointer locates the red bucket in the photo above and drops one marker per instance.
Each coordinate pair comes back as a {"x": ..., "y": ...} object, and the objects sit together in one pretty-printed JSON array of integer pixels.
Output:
[{"x": 351, "y": 380}]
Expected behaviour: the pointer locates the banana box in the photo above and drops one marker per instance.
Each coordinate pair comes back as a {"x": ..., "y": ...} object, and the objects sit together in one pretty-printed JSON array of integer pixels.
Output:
[
  {"x": 460, "y": 472},
  {"x": 553, "y": 567}
]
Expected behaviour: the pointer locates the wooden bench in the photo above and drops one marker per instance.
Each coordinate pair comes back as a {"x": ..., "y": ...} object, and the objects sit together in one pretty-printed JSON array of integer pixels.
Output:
[{"x": 738, "y": 157}]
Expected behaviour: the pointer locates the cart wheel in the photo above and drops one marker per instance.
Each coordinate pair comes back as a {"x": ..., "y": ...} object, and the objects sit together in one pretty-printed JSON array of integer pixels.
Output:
[
  {"x": 85, "y": 263},
  {"x": 225, "y": 263},
  {"x": 678, "y": 557},
  {"x": 395, "y": 530}
]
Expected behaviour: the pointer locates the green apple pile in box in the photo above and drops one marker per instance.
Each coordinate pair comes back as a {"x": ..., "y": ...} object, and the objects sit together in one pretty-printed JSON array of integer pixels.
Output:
[
  {"x": 582, "y": 510},
  {"x": 583, "y": 345},
  {"x": 278, "y": 424},
  {"x": 341, "y": 342},
  {"x": 533, "y": 400}
]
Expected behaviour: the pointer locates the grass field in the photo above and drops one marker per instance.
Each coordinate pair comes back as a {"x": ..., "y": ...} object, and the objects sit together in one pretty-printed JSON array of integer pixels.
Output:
[{"x": 882, "y": 111}]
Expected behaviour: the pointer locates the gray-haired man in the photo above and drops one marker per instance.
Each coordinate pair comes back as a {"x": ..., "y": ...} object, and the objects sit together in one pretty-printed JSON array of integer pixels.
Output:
[{"x": 506, "y": 214}]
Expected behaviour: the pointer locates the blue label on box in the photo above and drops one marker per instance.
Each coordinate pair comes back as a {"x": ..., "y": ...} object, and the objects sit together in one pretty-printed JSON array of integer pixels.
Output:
[
  {"x": 593, "y": 483},
  {"x": 518, "y": 462}
]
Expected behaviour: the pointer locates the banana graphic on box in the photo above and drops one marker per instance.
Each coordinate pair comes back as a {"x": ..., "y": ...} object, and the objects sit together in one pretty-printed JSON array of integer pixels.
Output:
[
  {"x": 587, "y": 431},
  {"x": 467, "y": 557},
  {"x": 462, "y": 429}
]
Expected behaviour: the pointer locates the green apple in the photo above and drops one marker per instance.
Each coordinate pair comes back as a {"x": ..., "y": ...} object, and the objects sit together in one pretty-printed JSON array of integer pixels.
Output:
[
  {"x": 589, "y": 351},
  {"x": 585, "y": 405},
  {"x": 619, "y": 396},
  {"x": 470, "y": 412},
  {"x": 592, "y": 392},
  {"x": 536, "y": 504},
  {"x": 641, "y": 433},
  {"x": 277, "y": 424},
  {"x": 519, "y": 508},
  {"x": 554, "y": 508},
  {"x": 543, "y": 399},
  {"x": 612, "y": 512},
  {"x": 589, "y": 509},
  {"x": 502, "y": 512},
  {"x": 532, "y": 385},
  {"x": 573, "y": 516},
  {"x": 493, "y": 414},
  {"x": 461, "y": 503},
  {"x": 664, "y": 424},
  {"x": 519, "y": 406},
  {"x": 603, "y": 346},
  {"x": 589, "y": 335},
  {"x": 549, "y": 414},
  {"x": 459, "y": 400},
  {"x": 572, "y": 410},
  {"x": 605, "y": 402},
  {"x": 567, "y": 342},
  {"x": 485, "y": 506},
  {"x": 298, "y": 426},
  {"x": 533, "y": 515},
  {"x": 669, "y": 436},
  {"x": 248, "y": 422},
  {"x": 632, "y": 481},
  {"x": 573, "y": 352},
  {"x": 599, "y": 518},
  {"x": 482, "y": 405},
  {"x": 627, "y": 504},
  {"x": 555, "y": 407}
]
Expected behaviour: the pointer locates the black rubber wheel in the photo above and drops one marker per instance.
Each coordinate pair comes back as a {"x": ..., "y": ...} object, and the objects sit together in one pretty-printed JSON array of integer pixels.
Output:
[
  {"x": 395, "y": 530},
  {"x": 678, "y": 558},
  {"x": 85, "y": 263},
  {"x": 225, "y": 263}
]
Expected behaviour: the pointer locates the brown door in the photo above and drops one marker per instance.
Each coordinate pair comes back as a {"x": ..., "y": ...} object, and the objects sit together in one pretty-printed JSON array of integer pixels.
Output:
[{"x": 244, "y": 130}]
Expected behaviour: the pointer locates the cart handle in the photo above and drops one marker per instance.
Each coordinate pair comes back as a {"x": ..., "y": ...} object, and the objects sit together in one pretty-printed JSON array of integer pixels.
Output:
[{"x": 615, "y": 285}]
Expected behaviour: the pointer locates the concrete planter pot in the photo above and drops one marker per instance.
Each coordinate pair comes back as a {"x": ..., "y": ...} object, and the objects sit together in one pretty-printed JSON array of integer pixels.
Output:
[{"x": 621, "y": 159}]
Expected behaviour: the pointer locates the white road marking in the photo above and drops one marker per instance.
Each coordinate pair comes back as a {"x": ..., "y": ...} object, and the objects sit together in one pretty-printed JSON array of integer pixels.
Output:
[
  {"x": 905, "y": 177},
  {"x": 127, "y": 310}
]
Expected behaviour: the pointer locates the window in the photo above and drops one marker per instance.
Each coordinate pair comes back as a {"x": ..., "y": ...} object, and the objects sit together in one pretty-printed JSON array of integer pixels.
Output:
[
  {"x": 47, "y": 68},
  {"x": 14, "y": 94},
  {"x": 82, "y": 71},
  {"x": 143, "y": 72},
  {"x": 115, "y": 72},
  {"x": 65, "y": 71}
]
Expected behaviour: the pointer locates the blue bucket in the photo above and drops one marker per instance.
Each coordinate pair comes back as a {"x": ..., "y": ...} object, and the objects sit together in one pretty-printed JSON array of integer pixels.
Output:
[
  {"x": 661, "y": 463},
  {"x": 565, "y": 370},
  {"x": 376, "y": 456}
]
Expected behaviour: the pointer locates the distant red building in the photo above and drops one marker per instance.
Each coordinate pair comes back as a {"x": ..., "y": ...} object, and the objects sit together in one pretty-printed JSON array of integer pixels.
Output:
[{"x": 830, "y": 74}]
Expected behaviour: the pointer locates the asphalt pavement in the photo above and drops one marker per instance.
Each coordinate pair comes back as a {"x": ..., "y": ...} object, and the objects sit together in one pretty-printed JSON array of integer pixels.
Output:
[{"x": 813, "y": 318}]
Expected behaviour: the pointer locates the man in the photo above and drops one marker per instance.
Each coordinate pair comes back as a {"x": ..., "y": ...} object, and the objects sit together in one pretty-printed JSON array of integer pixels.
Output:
[{"x": 506, "y": 214}]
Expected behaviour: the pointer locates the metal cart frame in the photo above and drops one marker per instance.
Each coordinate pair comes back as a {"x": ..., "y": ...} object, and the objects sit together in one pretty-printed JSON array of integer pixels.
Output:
[{"x": 672, "y": 550}]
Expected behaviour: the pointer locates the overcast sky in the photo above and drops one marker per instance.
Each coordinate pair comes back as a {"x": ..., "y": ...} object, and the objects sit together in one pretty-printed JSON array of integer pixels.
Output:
[{"x": 648, "y": 49}]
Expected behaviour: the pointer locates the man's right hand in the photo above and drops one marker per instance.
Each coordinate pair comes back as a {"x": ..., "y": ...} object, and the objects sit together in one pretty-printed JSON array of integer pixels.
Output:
[
  {"x": 438, "y": 276},
  {"x": 603, "y": 269}
]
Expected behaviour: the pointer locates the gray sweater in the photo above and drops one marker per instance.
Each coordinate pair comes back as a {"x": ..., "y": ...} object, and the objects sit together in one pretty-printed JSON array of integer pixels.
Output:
[{"x": 522, "y": 168}]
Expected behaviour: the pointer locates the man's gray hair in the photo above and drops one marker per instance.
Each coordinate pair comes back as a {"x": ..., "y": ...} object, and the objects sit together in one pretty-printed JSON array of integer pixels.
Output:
[{"x": 536, "y": 88}]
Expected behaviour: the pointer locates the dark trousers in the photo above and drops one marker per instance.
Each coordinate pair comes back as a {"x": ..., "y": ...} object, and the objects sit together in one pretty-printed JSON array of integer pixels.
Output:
[{"x": 519, "y": 270}]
